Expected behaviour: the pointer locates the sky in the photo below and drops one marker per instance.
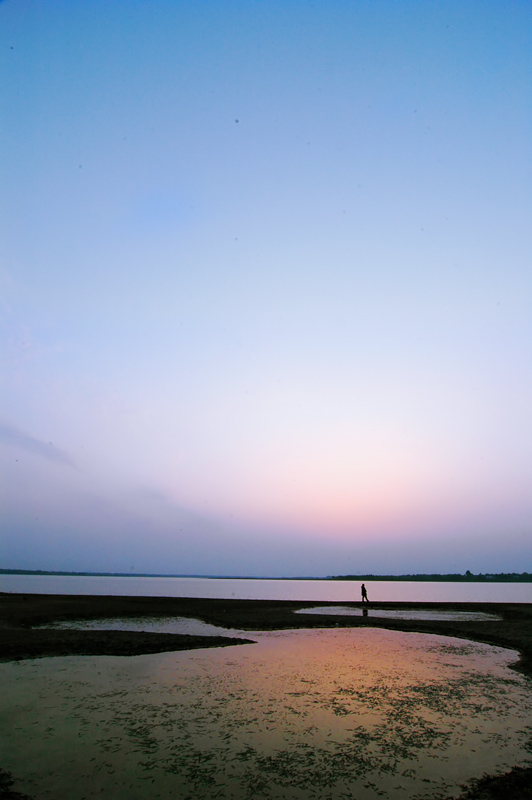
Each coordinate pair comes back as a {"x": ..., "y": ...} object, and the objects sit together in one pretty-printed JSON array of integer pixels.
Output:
[{"x": 266, "y": 286}]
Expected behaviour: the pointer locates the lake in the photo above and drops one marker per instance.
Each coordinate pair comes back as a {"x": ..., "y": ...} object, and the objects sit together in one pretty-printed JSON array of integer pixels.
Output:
[{"x": 262, "y": 589}]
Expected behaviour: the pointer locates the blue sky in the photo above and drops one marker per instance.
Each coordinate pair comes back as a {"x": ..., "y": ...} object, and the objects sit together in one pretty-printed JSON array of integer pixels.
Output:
[{"x": 266, "y": 286}]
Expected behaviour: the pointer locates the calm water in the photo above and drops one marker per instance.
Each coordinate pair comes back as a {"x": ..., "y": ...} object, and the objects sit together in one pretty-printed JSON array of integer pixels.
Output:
[
  {"x": 246, "y": 589},
  {"x": 301, "y": 715}
]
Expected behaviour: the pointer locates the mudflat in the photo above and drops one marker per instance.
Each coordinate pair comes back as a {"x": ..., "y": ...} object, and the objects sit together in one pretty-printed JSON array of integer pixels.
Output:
[{"x": 510, "y": 624}]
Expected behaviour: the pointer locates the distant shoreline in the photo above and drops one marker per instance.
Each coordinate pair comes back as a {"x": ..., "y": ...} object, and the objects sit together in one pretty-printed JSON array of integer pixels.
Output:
[{"x": 468, "y": 577}]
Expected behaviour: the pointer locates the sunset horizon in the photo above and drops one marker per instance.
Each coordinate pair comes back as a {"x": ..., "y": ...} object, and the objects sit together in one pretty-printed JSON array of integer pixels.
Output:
[{"x": 266, "y": 287}]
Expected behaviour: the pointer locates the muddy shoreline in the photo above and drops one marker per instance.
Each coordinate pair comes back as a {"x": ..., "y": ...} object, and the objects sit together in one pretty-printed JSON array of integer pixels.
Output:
[
  {"x": 20, "y": 614},
  {"x": 21, "y": 639}
]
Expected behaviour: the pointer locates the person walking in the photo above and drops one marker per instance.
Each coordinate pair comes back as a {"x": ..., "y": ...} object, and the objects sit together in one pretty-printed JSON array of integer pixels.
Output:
[{"x": 364, "y": 594}]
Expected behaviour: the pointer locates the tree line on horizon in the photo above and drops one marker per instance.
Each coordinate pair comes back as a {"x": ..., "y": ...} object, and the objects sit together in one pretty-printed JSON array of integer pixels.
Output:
[{"x": 467, "y": 577}]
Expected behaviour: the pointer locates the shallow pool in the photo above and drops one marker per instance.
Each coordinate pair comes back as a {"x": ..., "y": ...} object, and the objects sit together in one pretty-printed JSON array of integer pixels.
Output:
[
  {"x": 325, "y": 714},
  {"x": 400, "y": 613}
]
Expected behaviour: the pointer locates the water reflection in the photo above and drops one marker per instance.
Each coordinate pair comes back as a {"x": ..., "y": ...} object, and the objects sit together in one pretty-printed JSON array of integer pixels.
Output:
[
  {"x": 196, "y": 627},
  {"x": 404, "y": 613},
  {"x": 180, "y": 625},
  {"x": 320, "y": 714}
]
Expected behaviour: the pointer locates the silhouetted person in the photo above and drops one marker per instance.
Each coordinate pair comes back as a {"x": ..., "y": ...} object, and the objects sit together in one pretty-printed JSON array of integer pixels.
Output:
[{"x": 364, "y": 594}]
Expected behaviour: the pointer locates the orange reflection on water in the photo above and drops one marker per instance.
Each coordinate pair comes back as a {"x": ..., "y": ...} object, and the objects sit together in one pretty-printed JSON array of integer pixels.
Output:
[{"x": 321, "y": 714}]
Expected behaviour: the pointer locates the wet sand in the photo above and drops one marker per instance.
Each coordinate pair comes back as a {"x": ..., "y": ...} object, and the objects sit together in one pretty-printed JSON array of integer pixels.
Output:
[{"x": 512, "y": 628}]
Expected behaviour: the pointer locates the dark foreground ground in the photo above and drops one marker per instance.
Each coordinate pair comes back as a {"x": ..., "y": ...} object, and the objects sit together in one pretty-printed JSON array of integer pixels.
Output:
[{"x": 20, "y": 613}]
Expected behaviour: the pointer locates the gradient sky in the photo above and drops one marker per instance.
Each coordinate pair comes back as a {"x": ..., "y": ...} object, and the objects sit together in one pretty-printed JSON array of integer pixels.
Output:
[{"x": 266, "y": 286}]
